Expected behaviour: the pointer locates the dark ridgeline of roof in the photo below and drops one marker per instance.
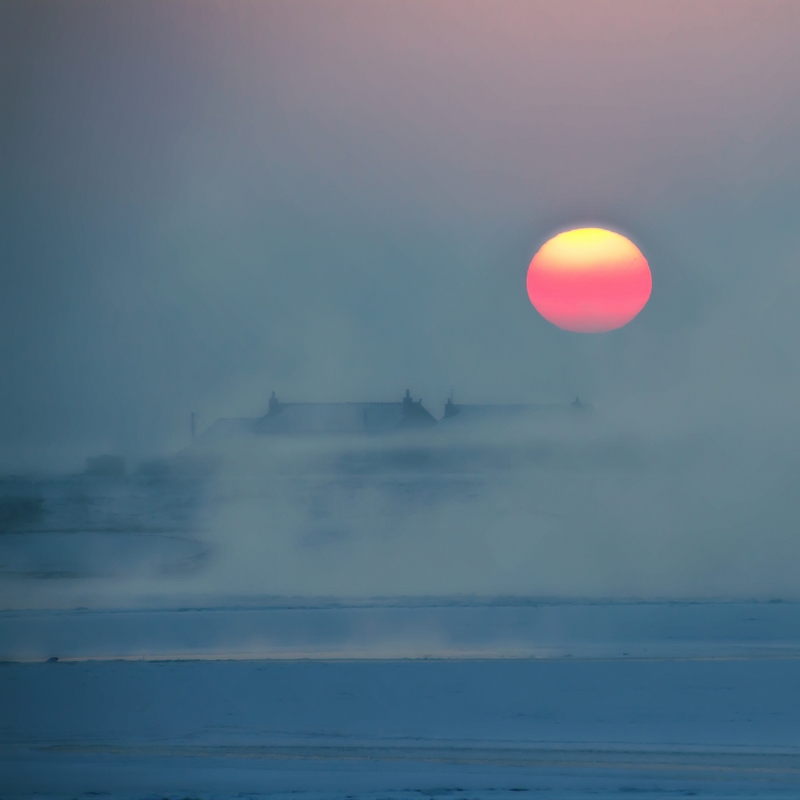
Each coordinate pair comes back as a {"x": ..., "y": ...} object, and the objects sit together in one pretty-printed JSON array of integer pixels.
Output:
[
  {"x": 491, "y": 412},
  {"x": 335, "y": 418},
  {"x": 331, "y": 418},
  {"x": 369, "y": 418}
]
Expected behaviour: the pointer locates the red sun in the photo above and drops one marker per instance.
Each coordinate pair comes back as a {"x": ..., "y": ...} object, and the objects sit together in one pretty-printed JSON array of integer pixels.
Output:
[{"x": 589, "y": 280}]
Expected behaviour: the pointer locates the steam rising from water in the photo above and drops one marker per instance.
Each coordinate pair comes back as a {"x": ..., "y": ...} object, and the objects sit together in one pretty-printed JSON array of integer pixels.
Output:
[{"x": 558, "y": 507}]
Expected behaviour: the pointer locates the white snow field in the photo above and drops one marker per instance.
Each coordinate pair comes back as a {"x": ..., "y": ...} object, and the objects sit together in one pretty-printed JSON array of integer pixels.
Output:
[{"x": 554, "y": 699}]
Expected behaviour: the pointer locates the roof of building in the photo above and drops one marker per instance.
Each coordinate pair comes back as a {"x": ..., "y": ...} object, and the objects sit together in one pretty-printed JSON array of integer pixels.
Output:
[
  {"x": 369, "y": 418},
  {"x": 500, "y": 411},
  {"x": 331, "y": 418},
  {"x": 295, "y": 418}
]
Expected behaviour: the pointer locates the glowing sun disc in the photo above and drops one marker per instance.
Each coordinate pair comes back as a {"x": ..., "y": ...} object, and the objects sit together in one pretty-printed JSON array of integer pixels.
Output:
[{"x": 589, "y": 280}]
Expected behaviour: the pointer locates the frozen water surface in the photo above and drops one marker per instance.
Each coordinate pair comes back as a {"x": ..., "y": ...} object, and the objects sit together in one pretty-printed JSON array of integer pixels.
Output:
[{"x": 212, "y": 720}]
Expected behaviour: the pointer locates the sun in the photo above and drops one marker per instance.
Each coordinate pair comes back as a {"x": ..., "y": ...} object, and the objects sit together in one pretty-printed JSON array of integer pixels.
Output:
[{"x": 589, "y": 280}]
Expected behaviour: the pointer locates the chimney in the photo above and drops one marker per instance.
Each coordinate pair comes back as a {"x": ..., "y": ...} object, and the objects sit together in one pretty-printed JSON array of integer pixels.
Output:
[
  {"x": 274, "y": 405},
  {"x": 450, "y": 408}
]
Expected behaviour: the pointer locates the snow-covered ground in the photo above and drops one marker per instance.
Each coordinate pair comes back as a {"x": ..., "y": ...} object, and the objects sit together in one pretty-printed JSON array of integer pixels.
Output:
[
  {"x": 564, "y": 699},
  {"x": 402, "y": 728}
]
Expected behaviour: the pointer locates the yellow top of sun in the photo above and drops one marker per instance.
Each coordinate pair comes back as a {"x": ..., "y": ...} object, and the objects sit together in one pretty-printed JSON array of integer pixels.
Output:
[{"x": 588, "y": 248}]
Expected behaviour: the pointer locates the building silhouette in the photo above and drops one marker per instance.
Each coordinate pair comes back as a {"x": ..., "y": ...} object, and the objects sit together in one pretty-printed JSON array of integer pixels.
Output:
[
  {"x": 486, "y": 412},
  {"x": 375, "y": 418},
  {"x": 327, "y": 418}
]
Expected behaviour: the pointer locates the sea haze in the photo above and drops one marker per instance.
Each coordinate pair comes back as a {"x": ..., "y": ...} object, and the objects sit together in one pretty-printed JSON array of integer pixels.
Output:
[{"x": 576, "y": 506}]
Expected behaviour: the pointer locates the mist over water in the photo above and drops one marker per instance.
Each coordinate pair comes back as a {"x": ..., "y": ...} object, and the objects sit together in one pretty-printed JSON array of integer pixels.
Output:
[
  {"x": 340, "y": 203},
  {"x": 571, "y": 506}
]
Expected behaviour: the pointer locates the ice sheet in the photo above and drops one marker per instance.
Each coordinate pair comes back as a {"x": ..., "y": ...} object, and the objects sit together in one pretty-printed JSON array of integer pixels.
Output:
[{"x": 464, "y": 728}]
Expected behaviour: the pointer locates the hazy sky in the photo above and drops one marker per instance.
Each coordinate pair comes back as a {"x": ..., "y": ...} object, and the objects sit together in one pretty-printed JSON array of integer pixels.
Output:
[{"x": 205, "y": 201}]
